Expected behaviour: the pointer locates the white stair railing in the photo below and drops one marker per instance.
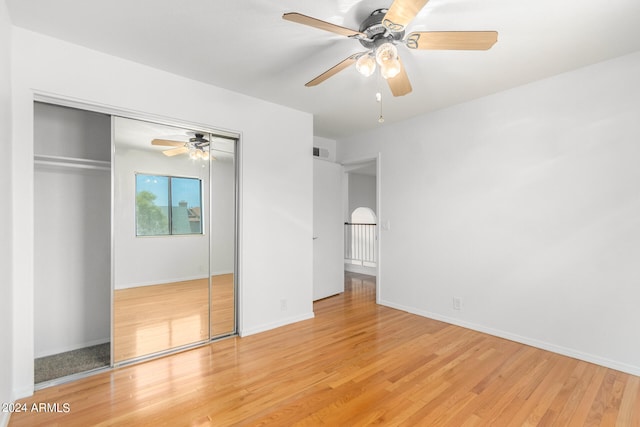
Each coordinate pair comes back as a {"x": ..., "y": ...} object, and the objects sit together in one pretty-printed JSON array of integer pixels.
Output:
[{"x": 360, "y": 244}]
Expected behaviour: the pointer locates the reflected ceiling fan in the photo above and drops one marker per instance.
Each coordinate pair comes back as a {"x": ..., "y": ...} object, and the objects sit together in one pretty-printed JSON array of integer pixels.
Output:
[
  {"x": 197, "y": 146},
  {"x": 382, "y": 31}
]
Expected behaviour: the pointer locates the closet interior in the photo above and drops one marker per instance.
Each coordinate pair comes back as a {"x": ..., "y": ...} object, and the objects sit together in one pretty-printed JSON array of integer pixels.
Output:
[{"x": 72, "y": 271}]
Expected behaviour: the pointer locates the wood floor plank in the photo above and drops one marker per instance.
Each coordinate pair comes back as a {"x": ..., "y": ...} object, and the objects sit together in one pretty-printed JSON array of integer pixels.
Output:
[
  {"x": 355, "y": 363},
  {"x": 628, "y": 414}
]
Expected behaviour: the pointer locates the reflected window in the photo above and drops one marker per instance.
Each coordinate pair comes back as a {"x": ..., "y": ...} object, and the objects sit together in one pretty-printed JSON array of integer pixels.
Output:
[{"x": 168, "y": 205}]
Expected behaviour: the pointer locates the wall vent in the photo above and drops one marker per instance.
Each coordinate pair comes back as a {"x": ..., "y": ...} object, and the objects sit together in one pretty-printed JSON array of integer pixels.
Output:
[{"x": 322, "y": 153}]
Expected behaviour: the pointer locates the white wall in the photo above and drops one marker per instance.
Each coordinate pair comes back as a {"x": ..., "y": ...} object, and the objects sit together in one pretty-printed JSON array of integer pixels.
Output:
[
  {"x": 6, "y": 336},
  {"x": 69, "y": 132},
  {"x": 72, "y": 268},
  {"x": 222, "y": 213},
  {"x": 526, "y": 206},
  {"x": 276, "y": 174}
]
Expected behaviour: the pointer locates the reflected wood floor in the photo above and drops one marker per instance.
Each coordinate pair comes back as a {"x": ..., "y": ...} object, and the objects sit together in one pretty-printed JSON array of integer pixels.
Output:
[
  {"x": 355, "y": 363},
  {"x": 149, "y": 319}
]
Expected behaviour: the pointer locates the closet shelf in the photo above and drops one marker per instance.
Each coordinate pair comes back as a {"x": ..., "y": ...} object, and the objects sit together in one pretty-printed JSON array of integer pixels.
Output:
[{"x": 71, "y": 162}]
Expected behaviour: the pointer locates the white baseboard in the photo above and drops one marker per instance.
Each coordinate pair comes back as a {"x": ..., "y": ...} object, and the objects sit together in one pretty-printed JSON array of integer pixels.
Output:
[
  {"x": 23, "y": 393},
  {"x": 164, "y": 281},
  {"x": 354, "y": 268},
  {"x": 5, "y": 417},
  {"x": 565, "y": 351},
  {"x": 273, "y": 325}
]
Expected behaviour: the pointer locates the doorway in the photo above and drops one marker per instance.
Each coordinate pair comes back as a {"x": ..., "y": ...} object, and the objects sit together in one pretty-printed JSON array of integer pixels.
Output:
[{"x": 361, "y": 213}]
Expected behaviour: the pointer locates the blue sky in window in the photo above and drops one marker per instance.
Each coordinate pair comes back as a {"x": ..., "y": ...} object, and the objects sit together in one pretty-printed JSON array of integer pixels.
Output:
[{"x": 187, "y": 189}]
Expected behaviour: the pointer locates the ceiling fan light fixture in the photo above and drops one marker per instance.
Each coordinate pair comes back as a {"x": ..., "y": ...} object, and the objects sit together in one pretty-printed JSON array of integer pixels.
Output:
[
  {"x": 366, "y": 65},
  {"x": 390, "y": 69},
  {"x": 386, "y": 52},
  {"x": 193, "y": 154},
  {"x": 385, "y": 28},
  {"x": 205, "y": 155}
]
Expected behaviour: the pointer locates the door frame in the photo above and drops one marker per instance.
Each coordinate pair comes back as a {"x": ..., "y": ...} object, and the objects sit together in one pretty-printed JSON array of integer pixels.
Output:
[
  {"x": 113, "y": 111},
  {"x": 379, "y": 212}
]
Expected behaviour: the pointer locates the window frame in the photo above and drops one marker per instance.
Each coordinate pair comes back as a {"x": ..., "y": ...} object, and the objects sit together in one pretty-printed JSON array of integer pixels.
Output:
[{"x": 169, "y": 195}]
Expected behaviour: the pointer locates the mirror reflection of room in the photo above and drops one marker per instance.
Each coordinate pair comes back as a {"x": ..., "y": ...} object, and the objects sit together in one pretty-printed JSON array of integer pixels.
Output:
[{"x": 165, "y": 247}]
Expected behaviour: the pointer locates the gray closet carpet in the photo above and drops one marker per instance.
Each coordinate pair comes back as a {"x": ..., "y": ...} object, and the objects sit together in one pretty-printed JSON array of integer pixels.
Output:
[{"x": 72, "y": 362}]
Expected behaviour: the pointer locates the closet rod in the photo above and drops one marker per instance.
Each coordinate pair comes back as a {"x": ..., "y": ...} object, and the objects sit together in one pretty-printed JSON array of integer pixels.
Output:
[{"x": 71, "y": 162}]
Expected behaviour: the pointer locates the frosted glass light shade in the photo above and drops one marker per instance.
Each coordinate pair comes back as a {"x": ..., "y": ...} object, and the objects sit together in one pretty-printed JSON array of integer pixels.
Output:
[
  {"x": 390, "y": 69},
  {"x": 386, "y": 52},
  {"x": 366, "y": 65}
]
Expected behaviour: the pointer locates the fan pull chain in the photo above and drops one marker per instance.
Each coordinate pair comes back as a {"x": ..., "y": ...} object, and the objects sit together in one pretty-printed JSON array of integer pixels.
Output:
[{"x": 379, "y": 100}]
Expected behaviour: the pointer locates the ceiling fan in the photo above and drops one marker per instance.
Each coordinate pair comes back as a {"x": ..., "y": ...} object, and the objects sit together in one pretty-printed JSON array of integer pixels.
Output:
[
  {"x": 197, "y": 146},
  {"x": 382, "y": 31}
]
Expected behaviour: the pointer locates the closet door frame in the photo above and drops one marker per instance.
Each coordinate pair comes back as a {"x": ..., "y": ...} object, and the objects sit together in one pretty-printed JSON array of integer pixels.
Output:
[{"x": 137, "y": 115}]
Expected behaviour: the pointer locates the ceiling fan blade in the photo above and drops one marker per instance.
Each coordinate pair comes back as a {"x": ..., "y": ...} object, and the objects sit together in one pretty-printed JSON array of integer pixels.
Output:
[
  {"x": 175, "y": 151},
  {"x": 167, "y": 143},
  {"x": 400, "y": 84},
  {"x": 452, "y": 40},
  {"x": 333, "y": 70},
  {"x": 401, "y": 12},
  {"x": 323, "y": 25}
]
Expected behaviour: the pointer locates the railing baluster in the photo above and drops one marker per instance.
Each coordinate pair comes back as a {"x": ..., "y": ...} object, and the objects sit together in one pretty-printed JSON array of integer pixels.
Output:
[{"x": 360, "y": 243}]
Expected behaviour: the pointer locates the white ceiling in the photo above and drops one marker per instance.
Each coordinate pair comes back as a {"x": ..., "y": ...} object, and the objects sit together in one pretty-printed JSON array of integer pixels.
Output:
[
  {"x": 364, "y": 168},
  {"x": 246, "y": 46}
]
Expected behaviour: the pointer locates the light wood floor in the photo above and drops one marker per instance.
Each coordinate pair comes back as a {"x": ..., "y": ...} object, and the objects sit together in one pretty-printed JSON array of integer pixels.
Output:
[
  {"x": 354, "y": 364},
  {"x": 149, "y": 319}
]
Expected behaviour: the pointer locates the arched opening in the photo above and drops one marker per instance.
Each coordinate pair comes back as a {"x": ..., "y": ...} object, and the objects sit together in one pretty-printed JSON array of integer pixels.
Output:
[{"x": 363, "y": 215}]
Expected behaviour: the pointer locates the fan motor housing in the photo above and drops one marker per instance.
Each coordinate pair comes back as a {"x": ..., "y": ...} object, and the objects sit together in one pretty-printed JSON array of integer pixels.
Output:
[
  {"x": 199, "y": 141},
  {"x": 377, "y": 33}
]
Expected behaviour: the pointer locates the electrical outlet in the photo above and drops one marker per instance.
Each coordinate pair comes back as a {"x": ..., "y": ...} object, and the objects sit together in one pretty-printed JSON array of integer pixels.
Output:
[
  {"x": 457, "y": 303},
  {"x": 283, "y": 305}
]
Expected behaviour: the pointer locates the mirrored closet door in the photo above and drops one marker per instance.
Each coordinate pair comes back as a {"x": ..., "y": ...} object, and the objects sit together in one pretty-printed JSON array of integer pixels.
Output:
[
  {"x": 174, "y": 237},
  {"x": 223, "y": 236}
]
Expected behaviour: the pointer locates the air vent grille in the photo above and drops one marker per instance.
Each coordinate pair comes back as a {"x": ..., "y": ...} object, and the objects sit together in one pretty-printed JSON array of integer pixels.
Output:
[{"x": 321, "y": 153}]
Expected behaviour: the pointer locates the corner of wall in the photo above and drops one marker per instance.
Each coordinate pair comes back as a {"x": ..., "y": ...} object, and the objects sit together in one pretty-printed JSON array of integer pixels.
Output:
[
  {"x": 6, "y": 280},
  {"x": 4, "y": 419},
  {"x": 273, "y": 325}
]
